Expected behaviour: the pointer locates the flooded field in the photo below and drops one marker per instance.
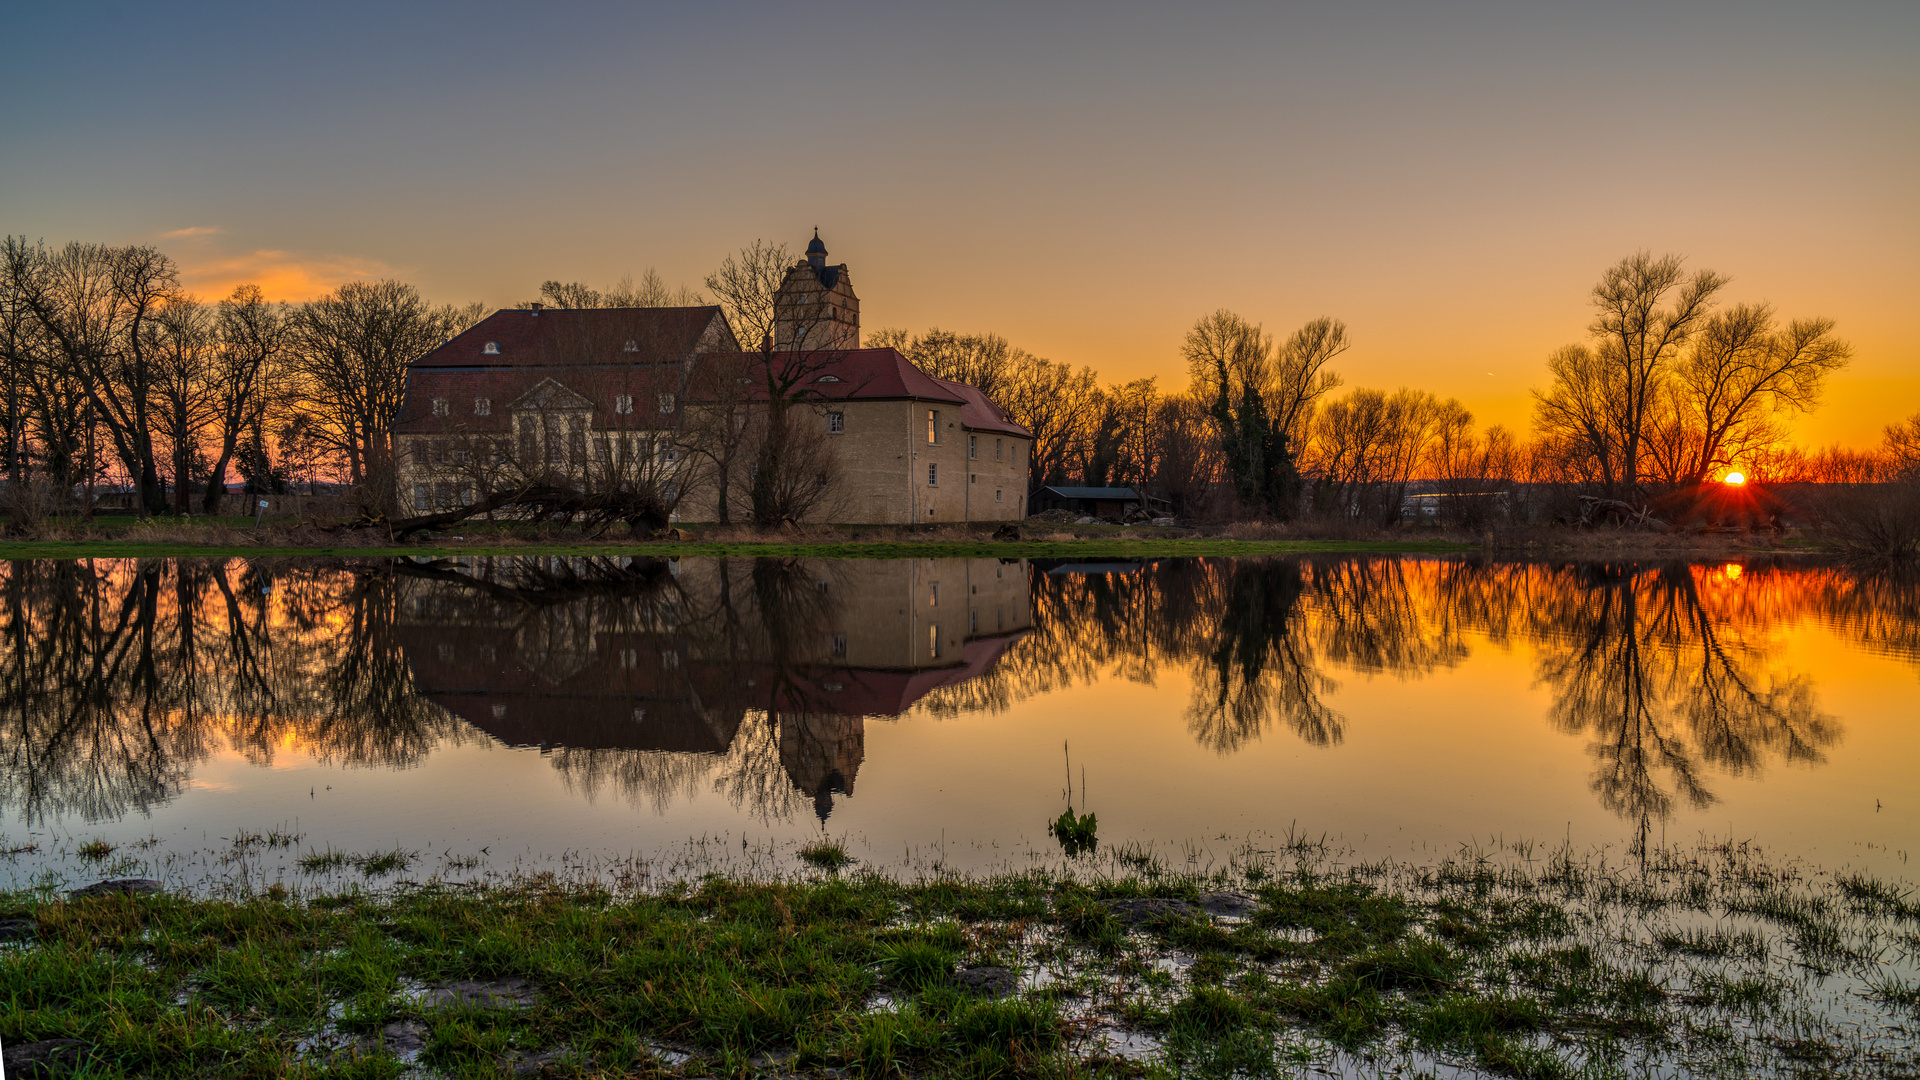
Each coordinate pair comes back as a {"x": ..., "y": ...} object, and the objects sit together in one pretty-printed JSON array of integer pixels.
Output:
[{"x": 326, "y": 721}]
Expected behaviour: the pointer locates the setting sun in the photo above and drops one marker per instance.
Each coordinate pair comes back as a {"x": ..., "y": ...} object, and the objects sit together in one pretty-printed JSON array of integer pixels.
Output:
[{"x": 1736, "y": 479}]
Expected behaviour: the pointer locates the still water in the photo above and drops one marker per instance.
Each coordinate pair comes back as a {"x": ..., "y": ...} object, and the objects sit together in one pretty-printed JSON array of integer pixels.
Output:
[{"x": 493, "y": 715}]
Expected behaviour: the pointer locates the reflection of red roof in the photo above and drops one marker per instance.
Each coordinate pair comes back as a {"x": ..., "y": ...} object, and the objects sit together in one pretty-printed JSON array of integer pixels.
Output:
[
  {"x": 869, "y": 692},
  {"x": 592, "y": 723}
]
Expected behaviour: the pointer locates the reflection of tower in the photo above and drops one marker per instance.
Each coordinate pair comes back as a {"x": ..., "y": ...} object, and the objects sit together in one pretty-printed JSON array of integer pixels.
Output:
[{"x": 821, "y": 752}]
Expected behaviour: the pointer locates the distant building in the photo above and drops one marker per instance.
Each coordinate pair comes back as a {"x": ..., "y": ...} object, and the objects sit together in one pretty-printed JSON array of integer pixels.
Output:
[
  {"x": 1100, "y": 502},
  {"x": 569, "y": 392}
]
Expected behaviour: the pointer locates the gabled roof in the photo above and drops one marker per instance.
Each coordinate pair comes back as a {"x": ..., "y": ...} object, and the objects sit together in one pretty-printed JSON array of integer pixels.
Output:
[
  {"x": 1107, "y": 493},
  {"x": 572, "y": 337},
  {"x": 547, "y": 394}
]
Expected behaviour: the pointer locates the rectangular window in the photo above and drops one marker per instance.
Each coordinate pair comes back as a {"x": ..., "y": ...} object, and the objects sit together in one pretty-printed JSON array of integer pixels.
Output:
[
  {"x": 623, "y": 404},
  {"x": 973, "y": 621},
  {"x": 836, "y": 423},
  {"x": 996, "y": 449},
  {"x": 996, "y": 494},
  {"x": 482, "y": 406},
  {"x": 422, "y": 452},
  {"x": 933, "y": 594},
  {"x": 666, "y": 403},
  {"x": 441, "y": 406},
  {"x": 839, "y": 644},
  {"x": 973, "y": 447},
  {"x": 933, "y": 477},
  {"x": 933, "y": 425},
  {"x": 422, "y": 498},
  {"x": 933, "y": 642},
  {"x": 443, "y": 496}
]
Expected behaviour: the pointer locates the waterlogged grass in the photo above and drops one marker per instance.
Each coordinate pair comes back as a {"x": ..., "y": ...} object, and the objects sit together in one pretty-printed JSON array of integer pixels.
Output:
[{"x": 1695, "y": 964}]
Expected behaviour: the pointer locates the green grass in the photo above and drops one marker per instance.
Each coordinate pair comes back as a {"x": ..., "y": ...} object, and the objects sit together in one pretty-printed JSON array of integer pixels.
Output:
[{"x": 826, "y": 854}]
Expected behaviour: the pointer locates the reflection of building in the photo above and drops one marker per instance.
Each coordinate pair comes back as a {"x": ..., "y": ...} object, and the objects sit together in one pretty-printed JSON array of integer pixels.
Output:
[{"x": 679, "y": 662}]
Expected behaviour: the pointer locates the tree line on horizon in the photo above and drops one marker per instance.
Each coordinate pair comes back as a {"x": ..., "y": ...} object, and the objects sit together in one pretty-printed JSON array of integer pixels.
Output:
[{"x": 114, "y": 372}]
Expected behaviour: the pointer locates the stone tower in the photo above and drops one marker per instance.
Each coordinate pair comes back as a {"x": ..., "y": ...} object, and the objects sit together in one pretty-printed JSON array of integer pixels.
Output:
[{"x": 815, "y": 307}]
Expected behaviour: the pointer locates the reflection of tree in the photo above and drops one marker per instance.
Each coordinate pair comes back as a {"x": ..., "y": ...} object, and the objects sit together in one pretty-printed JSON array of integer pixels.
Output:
[
  {"x": 1648, "y": 664},
  {"x": 118, "y": 677},
  {"x": 1259, "y": 668},
  {"x": 1638, "y": 662}
]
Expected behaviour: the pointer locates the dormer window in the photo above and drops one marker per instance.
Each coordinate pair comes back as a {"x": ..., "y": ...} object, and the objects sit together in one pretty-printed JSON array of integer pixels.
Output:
[
  {"x": 482, "y": 406},
  {"x": 630, "y": 346},
  {"x": 666, "y": 403},
  {"x": 828, "y": 378},
  {"x": 623, "y": 404},
  {"x": 491, "y": 348},
  {"x": 441, "y": 406}
]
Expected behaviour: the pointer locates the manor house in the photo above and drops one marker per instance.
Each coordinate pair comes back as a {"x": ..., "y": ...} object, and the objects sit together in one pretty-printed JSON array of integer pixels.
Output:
[{"x": 668, "y": 396}]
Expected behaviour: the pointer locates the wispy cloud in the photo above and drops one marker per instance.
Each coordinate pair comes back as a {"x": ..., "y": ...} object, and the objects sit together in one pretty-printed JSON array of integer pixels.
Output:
[
  {"x": 192, "y": 231},
  {"x": 281, "y": 275}
]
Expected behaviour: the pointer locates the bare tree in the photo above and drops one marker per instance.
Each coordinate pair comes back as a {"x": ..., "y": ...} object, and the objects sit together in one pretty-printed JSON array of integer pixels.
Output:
[
  {"x": 94, "y": 304},
  {"x": 1902, "y": 448},
  {"x": 1368, "y": 445},
  {"x": 182, "y": 341},
  {"x": 1061, "y": 407},
  {"x": 1739, "y": 381},
  {"x": 353, "y": 347},
  {"x": 652, "y": 291},
  {"x": 745, "y": 286},
  {"x": 1647, "y": 311},
  {"x": 254, "y": 337},
  {"x": 1299, "y": 377}
]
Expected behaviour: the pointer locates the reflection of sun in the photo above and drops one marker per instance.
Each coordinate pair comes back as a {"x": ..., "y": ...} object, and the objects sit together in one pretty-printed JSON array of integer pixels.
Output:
[
  {"x": 1736, "y": 479},
  {"x": 1731, "y": 571}
]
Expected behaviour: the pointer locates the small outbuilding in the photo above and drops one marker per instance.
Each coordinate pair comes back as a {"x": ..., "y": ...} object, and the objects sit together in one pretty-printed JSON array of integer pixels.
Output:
[{"x": 1100, "y": 502}]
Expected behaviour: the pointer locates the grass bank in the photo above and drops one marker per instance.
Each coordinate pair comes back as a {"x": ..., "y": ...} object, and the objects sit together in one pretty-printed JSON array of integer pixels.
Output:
[
  {"x": 1706, "y": 962},
  {"x": 168, "y": 538}
]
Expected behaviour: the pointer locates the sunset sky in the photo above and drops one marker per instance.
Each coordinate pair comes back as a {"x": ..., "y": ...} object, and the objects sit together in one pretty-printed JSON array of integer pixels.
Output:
[{"x": 1086, "y": 179}]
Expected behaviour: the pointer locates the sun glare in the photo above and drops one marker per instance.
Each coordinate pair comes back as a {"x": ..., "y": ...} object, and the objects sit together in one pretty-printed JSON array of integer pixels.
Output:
[{"x": 1736, "y": 479}]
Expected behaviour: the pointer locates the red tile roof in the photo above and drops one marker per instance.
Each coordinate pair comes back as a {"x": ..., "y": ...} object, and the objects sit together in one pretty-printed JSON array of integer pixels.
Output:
[
  {"x": 572, "y": 337},
  {"x": 980, "y": 414},
  {"x": 605, "y": 354}
]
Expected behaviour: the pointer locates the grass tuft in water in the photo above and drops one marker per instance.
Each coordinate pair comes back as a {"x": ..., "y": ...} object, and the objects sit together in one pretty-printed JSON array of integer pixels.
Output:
[{"x": 828, "y": 855}]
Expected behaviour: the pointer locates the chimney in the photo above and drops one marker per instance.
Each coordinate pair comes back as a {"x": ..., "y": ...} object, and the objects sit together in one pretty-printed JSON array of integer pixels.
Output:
[{"x": 537, "y": 305}]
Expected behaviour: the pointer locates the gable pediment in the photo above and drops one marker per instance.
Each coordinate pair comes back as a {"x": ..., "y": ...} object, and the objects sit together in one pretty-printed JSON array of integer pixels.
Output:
[{"x": 549, "y": 395}]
